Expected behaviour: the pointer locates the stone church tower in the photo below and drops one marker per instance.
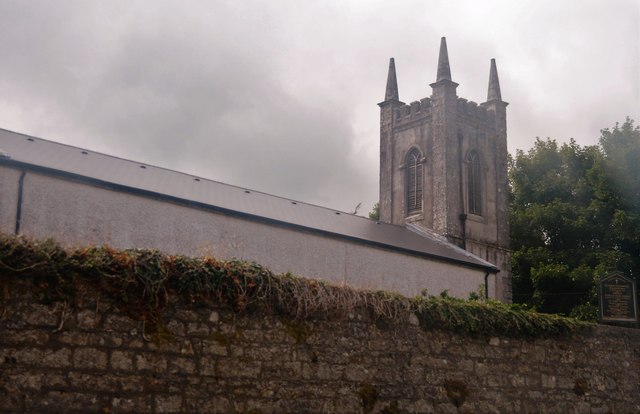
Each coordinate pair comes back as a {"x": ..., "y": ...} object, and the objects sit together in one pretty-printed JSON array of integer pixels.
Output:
[{"x": 443, "y": 166}]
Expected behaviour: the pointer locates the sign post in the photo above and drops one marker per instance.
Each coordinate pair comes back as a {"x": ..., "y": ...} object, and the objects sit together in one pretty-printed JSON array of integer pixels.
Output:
[{"x": 618, "y": 301}]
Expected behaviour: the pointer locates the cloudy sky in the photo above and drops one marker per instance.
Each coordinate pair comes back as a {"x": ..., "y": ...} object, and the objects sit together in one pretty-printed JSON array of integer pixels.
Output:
[{"x": 280, "y": 96}]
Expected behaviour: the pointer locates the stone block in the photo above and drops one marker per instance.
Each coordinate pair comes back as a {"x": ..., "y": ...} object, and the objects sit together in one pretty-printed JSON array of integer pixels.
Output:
[
  {"x": 212, "y": 405},
  {"x": 181, "y": 366},
  {"x": 357, "y": 373},
  {"x": 42, "y": 315},
  {"x": 214, "y": 317},
  {"x": 548, "y": 381},
  {"x": 131, "y": 384},
  {"x": 130, "y": 405},
  {"x": 134, "y": 343},
  {"x": 89, "y": 358},
  {"x": 71, "y": 337},
  {"x": 94, "y": 382},
  {"x": 87, "y": 319},
  {"x": 24, "y": 337},
  {"x": 176, "y": 327},
  {"x": 197, "y": 329},
  {"x": 11, "y": 402},
  {"x": 120, "y": 323},
  {"x": 168, "y": 403},
  {"x": 28, "y": 356},
  {"x": 207, "y": 366},
  {"x": 56, "y": 358},
  {"x": 239, "y": 369},
  {"x": 154, "y": 362},
  {"x": 15, "y": 382},
  {"x": 186, "y": 315},
  {"x": 63, "y": 401},
  {"x": 216, "y": 344},
  {"x": 122, "y": 360},
  {"x": 56, "y": 380},
  {"x": 517, "y": 381}
]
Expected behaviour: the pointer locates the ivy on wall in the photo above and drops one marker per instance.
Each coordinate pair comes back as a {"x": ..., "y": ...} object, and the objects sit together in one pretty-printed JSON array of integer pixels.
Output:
[{"x": 146, "y": 282}]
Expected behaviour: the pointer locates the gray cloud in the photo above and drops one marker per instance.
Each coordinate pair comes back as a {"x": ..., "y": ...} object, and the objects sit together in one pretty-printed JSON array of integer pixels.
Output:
[{"x": 281, "y": 96}]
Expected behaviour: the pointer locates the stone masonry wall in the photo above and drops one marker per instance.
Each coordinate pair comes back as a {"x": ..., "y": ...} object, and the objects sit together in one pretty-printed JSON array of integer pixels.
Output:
[{"x": 96, "y": 359}]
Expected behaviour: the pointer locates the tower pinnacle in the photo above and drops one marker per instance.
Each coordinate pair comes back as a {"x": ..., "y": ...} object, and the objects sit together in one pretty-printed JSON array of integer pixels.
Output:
[
  {"x": 494, "y": 84},
  {"x": 391, "y": 93},
  {"x": 444, "y": 71}
]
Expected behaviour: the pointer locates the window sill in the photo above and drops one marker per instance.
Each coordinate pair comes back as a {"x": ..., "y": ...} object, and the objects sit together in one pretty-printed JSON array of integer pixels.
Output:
[
  {"x": 414, "y": 217},
  {"x": 475, "y": 217}
]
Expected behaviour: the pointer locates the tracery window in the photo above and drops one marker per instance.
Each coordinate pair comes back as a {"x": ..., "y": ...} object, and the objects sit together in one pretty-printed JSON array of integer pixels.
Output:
[
  {"x": 474, "y": 183},
  {"x": 413, "y": 170}
]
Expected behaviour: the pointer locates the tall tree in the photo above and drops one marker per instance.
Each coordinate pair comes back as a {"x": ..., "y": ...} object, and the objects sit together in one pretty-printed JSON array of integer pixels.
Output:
[{"x": 575, "y": 214}]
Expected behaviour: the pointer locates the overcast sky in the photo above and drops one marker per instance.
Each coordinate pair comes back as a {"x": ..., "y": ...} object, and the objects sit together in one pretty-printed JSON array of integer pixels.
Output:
[{"x": 280, "y": 96}]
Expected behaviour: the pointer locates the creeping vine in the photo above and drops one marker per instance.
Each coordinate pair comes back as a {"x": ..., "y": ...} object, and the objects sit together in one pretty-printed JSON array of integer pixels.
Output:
[{"x": 146, "y": 282}]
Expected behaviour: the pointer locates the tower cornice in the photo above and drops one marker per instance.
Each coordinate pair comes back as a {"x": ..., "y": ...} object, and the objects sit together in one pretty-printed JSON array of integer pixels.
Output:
[
  {"x": 496, "y": 102},
  {"x": 391, "y": 102},
  {"x": 444, "y": 82}
]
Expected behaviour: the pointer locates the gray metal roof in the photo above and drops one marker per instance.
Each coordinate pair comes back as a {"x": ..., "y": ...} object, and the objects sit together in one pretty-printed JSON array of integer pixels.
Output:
[{"x": 134, "y": 176}]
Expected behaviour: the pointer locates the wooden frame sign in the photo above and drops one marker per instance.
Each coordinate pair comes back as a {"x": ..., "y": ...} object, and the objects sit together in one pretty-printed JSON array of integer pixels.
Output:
[{"x": 618, "y": 301}]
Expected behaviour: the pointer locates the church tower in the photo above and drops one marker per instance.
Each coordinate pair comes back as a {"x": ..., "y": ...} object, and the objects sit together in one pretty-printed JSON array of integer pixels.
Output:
[{"x": 443, "y": 167}]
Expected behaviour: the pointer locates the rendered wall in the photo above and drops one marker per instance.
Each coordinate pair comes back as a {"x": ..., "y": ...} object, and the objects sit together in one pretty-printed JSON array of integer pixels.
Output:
[
  {"x": 9, "y": 179},
  {"x": 213, "y": 361},
  {"x": 75, "y": 213}
]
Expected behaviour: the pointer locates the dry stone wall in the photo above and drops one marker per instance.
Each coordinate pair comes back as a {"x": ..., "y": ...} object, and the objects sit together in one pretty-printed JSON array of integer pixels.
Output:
[{"x": 95, "y": 358}]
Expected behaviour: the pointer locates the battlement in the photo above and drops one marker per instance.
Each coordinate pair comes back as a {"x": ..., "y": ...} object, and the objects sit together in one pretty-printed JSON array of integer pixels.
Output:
[
  {"x": 472, "y": 109},
  {"x": 422, "y": 109},
  {"x": 415, "y": 110}
]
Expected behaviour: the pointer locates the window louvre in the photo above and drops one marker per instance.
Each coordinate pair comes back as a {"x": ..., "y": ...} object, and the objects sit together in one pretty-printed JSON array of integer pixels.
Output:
[
  {"x": 414, "y": 182},
  {"x": 474, "y": 186}
]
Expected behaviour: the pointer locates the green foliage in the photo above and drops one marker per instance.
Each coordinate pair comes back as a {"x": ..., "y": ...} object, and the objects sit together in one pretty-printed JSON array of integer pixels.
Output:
[
  {"x": 489, "y": 318},
  {"x": 146, "y": 283},
  {"x": 479, "y": 294},
  {"x": 374, "y": 214},
  {"x": 575, "y": 215},
  {"x": 585, "y": 312}
]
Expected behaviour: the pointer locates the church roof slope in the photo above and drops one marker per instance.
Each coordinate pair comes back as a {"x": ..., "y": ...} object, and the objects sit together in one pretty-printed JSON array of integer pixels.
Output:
[{"x": 127, "y": 175}]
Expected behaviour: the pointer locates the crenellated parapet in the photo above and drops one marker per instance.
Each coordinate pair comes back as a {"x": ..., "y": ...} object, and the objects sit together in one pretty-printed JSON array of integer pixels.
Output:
[
  {"x": 416, "y": 110},
  {"x": 472, "y": 109},
  {"x": 474, "y": 115},
  {"x": 421, "y": 110}
]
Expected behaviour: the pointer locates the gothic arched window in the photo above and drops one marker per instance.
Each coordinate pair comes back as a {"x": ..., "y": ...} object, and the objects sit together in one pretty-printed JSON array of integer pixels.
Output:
[
  {"x": 413, "y": 170},
  {"x": 474, "y": 183}
]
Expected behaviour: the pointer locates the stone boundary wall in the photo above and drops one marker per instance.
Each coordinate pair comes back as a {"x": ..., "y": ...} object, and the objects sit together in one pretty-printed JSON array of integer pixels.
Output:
[{"x": 96, "y": 359}]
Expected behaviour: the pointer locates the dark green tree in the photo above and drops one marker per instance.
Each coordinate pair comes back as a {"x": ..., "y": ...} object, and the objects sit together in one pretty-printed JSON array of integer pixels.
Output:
[{"x": 575, "y": 215}]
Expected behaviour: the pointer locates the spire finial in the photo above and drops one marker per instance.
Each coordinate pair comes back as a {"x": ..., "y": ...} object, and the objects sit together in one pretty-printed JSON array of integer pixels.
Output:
[
  {"x": 391, "y": 93},
  {"x": 494, "y": 83},
  {"x": 444, "y": 71}
]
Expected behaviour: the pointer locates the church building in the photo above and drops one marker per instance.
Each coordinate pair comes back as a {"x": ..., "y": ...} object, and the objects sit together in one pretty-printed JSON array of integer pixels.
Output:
[
  {"x": 443, "y": 203},
  {"x": 443, "y": 166}
]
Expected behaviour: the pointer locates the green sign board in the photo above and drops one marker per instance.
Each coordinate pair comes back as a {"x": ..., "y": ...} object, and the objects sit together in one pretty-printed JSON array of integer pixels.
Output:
[{"x": 618, "y": 299}]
